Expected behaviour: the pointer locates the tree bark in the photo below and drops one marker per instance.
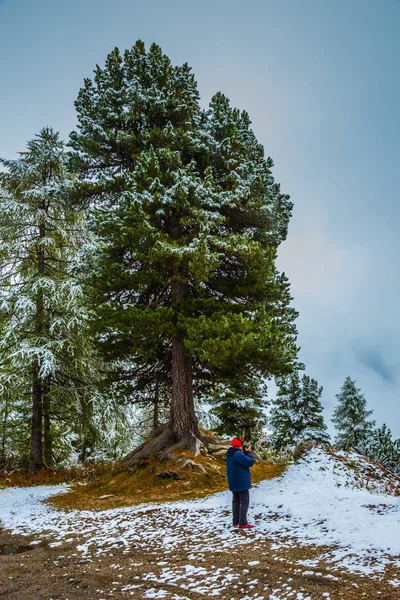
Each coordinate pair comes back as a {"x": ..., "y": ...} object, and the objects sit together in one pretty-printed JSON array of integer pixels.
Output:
[
  {"x": 4, "y": 432},
  {"x": 87, "y": 436},
  {"x": 183, "y": 421},
  {"x": 36, "y": 451},
  {"x": 156, "y": 420},
  {"x": 47, "y": 437}
]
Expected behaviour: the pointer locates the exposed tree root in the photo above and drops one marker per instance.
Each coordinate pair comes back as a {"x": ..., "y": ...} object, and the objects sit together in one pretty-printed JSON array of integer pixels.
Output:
[
  {"x": 186, "y": 463},
  {"x": 161, "y": 441},
  {"x": 190, "y": 464},
  {"x": 168, "y": 454}
]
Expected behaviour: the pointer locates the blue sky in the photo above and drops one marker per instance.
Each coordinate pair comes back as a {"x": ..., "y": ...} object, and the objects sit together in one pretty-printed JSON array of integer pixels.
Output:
[{"x": 320, "y": 81}]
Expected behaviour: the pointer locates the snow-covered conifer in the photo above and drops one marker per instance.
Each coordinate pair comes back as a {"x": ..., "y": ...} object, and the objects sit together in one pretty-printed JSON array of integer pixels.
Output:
[
  {"x": 296, "y": 413},
  {"x": 351, "y": 417},
  {"x": 311, "y": 421},
  {"x": 43, "y": 349}
]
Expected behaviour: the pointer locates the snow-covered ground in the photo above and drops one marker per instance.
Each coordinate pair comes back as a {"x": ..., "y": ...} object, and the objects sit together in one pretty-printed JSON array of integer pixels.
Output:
[{"x": 318, "y": 501}]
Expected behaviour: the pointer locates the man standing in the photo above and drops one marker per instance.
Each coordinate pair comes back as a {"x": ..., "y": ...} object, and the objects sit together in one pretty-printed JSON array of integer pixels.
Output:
[{"x": 239, "y": 460}]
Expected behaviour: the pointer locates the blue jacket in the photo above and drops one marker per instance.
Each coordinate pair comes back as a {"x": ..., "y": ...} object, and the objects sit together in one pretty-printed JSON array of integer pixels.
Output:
[{"x": 238, "y": 469}]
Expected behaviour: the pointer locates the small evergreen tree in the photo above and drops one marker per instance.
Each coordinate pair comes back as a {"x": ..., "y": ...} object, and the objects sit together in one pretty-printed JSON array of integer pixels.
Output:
[
  {"x": 311, "y": 421},
  {"x": 296, "y": 413},
  {"x": 282, "y": 416},
  {"x": 351, "y": 417}
]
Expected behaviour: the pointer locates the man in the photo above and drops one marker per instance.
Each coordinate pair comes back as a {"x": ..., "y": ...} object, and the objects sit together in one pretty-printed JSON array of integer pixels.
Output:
[{"x": 238, "y": 464}]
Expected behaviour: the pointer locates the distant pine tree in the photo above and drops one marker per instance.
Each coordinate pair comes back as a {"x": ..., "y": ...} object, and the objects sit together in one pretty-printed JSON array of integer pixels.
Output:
[
  {"x": 283, "y": 413},
  {"x": 297, "y": 412},
  {"x": 351, "y": 417},
  {"x": 310, "y": 419}
]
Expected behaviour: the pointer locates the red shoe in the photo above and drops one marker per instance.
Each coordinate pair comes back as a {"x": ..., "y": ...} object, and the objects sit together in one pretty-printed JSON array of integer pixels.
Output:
[
  {"x": 235, "y": 525},
  {"x": 248, "y": 526}
]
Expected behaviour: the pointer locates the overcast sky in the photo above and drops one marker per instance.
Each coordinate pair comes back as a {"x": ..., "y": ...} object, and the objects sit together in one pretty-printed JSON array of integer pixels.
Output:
[{"x": 320, "y": 80}]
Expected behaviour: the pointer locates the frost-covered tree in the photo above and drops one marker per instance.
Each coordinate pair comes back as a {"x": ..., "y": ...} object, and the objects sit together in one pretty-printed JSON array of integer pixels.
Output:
[
  {"x": 45, "y": 354},
  {"x": 312, "y": 423},
  {"x": 381, "y": 446},
  {"x": 189, "y": 219},
  {"x": 350, "y": 417},
  {"x": 296, "y": 413},
  {"x": 282, "y": 415}
]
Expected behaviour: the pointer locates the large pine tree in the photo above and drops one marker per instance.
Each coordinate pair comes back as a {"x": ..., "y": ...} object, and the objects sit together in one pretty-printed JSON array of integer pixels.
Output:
[
  {"x": 189, "y": 219},
  {"x": 44, "y": 353},
  {"x": 351, "y": 417},
  {"x": 296, "y": 413}
]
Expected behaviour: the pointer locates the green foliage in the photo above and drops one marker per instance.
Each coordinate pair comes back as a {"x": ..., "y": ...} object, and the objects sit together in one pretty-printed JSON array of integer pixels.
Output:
[
  {"x": 351, "y": 417},
  {"x": 296, "y": 414},
  {"x": 240, "y": 409}
]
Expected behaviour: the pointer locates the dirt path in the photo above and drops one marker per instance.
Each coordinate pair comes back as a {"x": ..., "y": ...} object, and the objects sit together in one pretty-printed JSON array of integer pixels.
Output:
[{"x": 255, "y": 571}]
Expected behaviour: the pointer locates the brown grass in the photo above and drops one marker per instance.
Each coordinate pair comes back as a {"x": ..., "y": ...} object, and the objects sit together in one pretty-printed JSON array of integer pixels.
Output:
[
  {"x": 80, "y": 473},
  {"x": 144, "y": 484}
]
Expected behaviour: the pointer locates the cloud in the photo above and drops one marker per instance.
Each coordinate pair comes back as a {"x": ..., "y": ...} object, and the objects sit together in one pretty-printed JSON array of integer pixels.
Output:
[
  {"x": 310, "y": 260},
  {"x": 346, "y": 322},
  {"x": 373, "y": 360}
]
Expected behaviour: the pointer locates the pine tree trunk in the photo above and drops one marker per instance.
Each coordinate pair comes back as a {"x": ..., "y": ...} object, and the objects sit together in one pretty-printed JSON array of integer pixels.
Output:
[
  {"x": 47, "y": 438},
  {"x": 36, "y": 452},
  {"x": 183, "y": 421},
  {"x": 156, "y": 420},
  {"x": 87, "y": 434},
  {"x": 4, "y": 432}
]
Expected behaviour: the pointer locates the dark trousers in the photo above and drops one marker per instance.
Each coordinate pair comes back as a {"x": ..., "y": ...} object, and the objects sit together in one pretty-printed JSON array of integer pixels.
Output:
[{"x": 240, "y": 505}]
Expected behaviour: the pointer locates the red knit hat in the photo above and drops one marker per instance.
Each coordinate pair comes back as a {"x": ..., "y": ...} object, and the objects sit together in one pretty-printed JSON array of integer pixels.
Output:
[{"x": 236, "y": 442}]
